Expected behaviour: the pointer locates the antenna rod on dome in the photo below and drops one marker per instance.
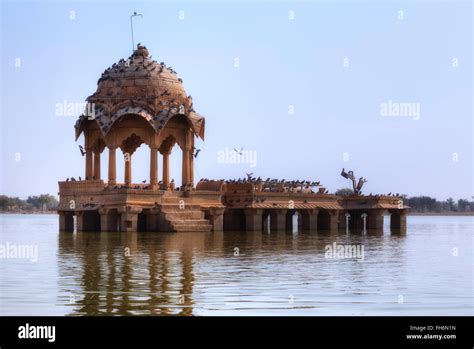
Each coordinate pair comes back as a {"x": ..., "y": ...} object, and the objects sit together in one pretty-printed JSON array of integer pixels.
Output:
[{"x": 131, "y": 26}]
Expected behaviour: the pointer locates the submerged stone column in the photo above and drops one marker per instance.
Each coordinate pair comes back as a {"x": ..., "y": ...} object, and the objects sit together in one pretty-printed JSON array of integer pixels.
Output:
[
  {"x": 253, "y": 219},
  {"x": 278, "y": 220},
  {"x": 152, "y": 219},
  {"x": 398, "y": 221},
  {"x": 343, "y": 220},
  {"x": 66, "y": 221},
  {"x": 80, "y": 224},
  {"x": 333, "y": 221},
  {"x": 216, "y": 218},
  {"x": 375, "y": 219},
  {"x": 310, "y": 220},
  {"x": 129, "y": 218},
  {"x": 108, "y": 220}
]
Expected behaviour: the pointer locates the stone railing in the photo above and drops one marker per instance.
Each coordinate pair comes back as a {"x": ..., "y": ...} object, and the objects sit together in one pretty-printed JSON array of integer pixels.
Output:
[{"x": 80, "y": 187}]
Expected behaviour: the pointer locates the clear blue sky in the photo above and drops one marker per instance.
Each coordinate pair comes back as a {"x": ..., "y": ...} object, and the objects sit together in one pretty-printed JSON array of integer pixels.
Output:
[{"x": 283, "y": 62}]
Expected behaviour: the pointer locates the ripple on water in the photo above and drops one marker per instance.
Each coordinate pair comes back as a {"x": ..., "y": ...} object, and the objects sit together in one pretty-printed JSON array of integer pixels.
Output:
[{"x": 237, "y": 273}]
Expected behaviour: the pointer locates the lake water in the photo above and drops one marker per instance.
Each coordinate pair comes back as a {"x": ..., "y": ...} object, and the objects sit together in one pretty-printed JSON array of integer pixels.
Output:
[{"x": 427, "y": 272}]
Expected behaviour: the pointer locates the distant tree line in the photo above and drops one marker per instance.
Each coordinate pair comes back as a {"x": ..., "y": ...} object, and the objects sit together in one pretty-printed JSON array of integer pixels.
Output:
[
  {"x": 42, "y": 202},
  {"x": 416, "y": 203},
  {"x": 426, "y": 203}
]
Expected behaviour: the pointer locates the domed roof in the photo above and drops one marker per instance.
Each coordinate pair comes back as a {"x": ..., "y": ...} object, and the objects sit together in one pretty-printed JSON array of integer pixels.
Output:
[{"x": 141, "y": 86}]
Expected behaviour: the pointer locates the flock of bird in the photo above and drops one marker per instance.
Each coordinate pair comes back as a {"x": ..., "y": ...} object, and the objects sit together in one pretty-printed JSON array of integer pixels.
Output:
[
  {"x": 268, "y": 185},
  {"x": 274, "y": 185},
  {"x": 383, "y": 195},
  {"x": 134, "y": 64}
]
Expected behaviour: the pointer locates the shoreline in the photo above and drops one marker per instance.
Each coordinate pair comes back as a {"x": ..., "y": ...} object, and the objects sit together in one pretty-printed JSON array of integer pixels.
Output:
[
  {"x": 454, "y": 213},
  {"x": 447, "y": 214},
  {"x": 29, "y": 212}
]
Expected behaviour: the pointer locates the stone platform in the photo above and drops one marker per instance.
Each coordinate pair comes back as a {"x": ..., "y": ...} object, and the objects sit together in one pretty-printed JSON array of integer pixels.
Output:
[
  {"x": 98, "y": 207},
  {"x": 217, "y": 206}
]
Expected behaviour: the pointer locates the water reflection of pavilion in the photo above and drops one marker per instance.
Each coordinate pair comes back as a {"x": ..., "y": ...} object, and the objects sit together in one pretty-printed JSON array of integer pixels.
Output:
[
  {"x": 179, "y": 273},
  {"x": 122, "y": 274}
]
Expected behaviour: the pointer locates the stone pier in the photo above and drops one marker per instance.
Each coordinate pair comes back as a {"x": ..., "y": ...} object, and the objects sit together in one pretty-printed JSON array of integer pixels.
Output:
[
  {"x": 216, "y": 218},
  {"x": 309, "y": 220},
  {"x": 129, "y": 218},
  {"x": 152, "y": 219},
  {"x": 66, "y": 221},
  {"x": 108, "y": 220},
  {"x": 398, "y": 221},
  {"x": 278, "y": 220},
  {"x": 375, "y": 219},
  {"x": 253, "y": 219}
]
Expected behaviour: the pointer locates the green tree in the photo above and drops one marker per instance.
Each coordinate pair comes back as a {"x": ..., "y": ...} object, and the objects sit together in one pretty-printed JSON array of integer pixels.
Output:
[
  {"x": 463, "y": 205},
  {"x": 345, "y": 192},
  {"x": 43, "y": 201},
  {"x": 451, "y": 204}
]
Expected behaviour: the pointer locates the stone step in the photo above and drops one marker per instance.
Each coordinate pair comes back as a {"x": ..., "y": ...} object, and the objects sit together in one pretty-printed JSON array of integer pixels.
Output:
[
  {"x": 177, "y": 208},
  {"x": 186, "y": 227},
  {"x": 184, "y": 214},
  {"x": 190, "y": 218},
  {"x": 189, "y": 221}
]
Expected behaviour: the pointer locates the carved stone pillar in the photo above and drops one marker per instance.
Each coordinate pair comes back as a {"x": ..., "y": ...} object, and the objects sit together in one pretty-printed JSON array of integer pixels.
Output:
[
  {"x": 185, "y": 168},
  {"x": 96, "y": 164},
  {"x": 153, "y": 166},
  {"x": 89, "y": 164},
  {"x": 166, "y": 171},
  {"x": 128, "y": 169},
  {"x": 112, "y": 166}
]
